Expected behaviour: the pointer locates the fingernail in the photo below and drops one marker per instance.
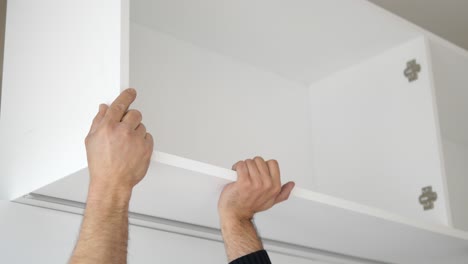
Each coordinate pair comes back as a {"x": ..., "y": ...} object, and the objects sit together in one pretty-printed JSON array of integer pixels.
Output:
[{"x": 131, "y": 91}]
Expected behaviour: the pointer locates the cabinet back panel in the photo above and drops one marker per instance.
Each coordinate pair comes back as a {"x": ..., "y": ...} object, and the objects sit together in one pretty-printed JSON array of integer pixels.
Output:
[
  {"x": 212, "y": 108},
  {"x": 299, "y": 39}
]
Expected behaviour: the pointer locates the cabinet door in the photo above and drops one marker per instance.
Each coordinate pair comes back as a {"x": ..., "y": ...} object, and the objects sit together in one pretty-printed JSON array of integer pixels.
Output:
[
  {"x": 36, "y": 235},
  {"x": 375, "y": 134},
  {"x": 62, "y": 58}
]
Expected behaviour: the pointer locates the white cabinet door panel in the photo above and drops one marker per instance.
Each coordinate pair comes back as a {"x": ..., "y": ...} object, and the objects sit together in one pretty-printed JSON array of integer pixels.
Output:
[{"x": 62, "y": 58}]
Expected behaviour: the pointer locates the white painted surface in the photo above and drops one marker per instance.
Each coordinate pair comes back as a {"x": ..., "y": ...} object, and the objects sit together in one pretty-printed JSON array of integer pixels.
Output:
[
  {"x": 191, "y": 194},
  {"x": 36, "y": 235},
  {"x": 374, "y": 135},
  {"x": 450, "y": 67},
  {"x": 299, "y": 39},
  {"x": 210, "y": 108},
  {"x": 456, "y": 163},
  {"x": 62, "y": 58}
]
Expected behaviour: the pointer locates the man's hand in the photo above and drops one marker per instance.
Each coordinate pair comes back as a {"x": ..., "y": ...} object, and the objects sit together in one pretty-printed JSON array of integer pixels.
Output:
[
  {"x": 258, "y": 188},
  {"x": 118, "y": 147},
  {"x": 119, "y": 151}
]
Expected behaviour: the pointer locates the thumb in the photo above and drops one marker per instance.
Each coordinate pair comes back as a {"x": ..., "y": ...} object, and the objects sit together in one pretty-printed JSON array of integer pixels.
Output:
[{"x": 285, "y": 192}]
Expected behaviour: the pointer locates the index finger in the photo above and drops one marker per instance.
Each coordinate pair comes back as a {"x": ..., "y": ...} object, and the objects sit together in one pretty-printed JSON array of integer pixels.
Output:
[{"x": 119, "y": 107}]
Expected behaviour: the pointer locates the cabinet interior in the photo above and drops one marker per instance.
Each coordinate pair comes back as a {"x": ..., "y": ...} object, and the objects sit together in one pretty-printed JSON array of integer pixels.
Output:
[
  {"x": 217, "y": 89},
  {"x": 221, "y": 81}
]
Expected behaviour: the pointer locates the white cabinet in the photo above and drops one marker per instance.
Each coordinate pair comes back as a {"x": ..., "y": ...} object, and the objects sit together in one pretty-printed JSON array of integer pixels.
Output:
[
  {"x": 62, "y": 58},
  {"x": 32, "y": 234},
  {"x": 325, "y": 91}
]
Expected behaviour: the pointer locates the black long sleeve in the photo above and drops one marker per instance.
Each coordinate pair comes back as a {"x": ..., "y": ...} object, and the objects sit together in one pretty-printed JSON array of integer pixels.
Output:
[{"x": 259, "y": 257}]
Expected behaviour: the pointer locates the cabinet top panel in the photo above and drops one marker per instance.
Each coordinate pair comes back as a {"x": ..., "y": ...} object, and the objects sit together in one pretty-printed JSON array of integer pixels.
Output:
[{"x": 301, "y": 40}]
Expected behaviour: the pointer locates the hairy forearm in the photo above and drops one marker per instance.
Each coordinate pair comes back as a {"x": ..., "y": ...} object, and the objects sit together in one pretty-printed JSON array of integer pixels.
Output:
[
  {"x": 240, "y": 238},
  {"x": 104, "y": 232}
]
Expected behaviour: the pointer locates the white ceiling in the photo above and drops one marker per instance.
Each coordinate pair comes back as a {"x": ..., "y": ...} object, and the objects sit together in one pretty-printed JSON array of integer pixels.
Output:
[
  {"x": 446, "y": 18},
  {"x": 301, "y": 40}
]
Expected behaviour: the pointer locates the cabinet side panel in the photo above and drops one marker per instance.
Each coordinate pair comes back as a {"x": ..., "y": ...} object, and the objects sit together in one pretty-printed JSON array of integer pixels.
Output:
[
  {"x": 2, "y": 43},
  {"x": 375, "y": 136},
  {"x": 208, "y": 107},
  {"x": 456, "y": 164},
  {"x": 450, "y": 67},
  {"x": 62, "y": 58}
]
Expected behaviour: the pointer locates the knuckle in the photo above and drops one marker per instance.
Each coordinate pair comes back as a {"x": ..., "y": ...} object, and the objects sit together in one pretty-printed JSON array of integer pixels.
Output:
[
  {"x": 143, "y": 128},
  {"x": 120, "y": 107},
  {"x": 107, "y": 129},
  {"x": 123, "y": 130},
  {"x": 268, "y": 185},
  {"x": 258, "y": 185},
  {"x": 127, "y": 132},
  {"x": 273, "y": 162},
  {"x": 259, "y": 158},
  {"x": 276, "y": 189},
  {"x": 150, "y": 137},
  {"x": 137, "y": 114},
  {"x": 117, "y": 107},
  {"x": 149, "y": 149},
  {"x": 246, "y": 184},
  {"x": 243, "y": 167}
]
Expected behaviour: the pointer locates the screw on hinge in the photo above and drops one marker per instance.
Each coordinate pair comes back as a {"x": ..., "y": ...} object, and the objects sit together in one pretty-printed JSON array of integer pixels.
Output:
[
  {"x": 427, "y": 198},
  {"x": 412, "y": 70}
]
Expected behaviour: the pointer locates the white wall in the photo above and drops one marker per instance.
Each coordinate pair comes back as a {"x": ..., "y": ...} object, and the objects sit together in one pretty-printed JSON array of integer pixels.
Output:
[
  {"x": 212, "y": 108},
  {"x": 35, "y": 235}
]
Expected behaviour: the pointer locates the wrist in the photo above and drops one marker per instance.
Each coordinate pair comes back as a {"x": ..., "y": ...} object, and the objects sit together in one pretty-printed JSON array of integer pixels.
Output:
[
  {"x": 240, "y": 237},
  {"x": 232, "y": 217},
  {"x": 108, "y": 195},
  {"x": 229, "y": 222}
]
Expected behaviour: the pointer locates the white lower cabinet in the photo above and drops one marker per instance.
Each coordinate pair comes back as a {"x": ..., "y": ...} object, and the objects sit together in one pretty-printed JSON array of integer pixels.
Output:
[
  {"x": 37, "y": 235},
  {"x": 364, "y": 111}
]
